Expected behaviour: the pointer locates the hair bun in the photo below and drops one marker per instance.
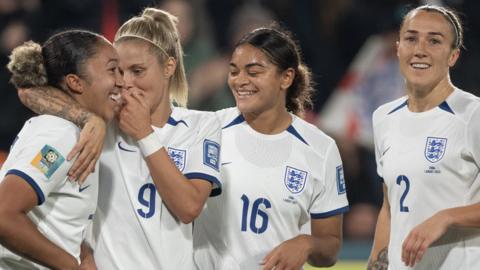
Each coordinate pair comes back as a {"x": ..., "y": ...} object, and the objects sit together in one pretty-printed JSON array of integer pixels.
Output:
[
  {"x": 159, "y": 15},
  {"x": 27, "y": 66}
]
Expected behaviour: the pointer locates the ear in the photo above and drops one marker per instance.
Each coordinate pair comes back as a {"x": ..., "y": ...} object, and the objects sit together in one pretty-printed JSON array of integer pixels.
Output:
[
  {"x": 287, "y": 78},
  {"x": 454, "y": 55},
  {"x": 170, "y": 66},
  {"x": 74, "y": 83},
  {"x": 397, "y": 44}
]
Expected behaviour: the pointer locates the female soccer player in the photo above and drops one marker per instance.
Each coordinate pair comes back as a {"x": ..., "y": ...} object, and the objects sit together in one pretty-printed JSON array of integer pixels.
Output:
[
  {"x": 279, "y": 172},
  {"x": 428, "y": 154},
  {"x": 43, "y": 216},
  {"x": 160, "y": 162}
]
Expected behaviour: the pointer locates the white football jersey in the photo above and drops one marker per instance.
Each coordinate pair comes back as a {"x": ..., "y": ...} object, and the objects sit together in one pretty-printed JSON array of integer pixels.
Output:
[
  {"x": 65, "y": 209},
  {"x": 273, "y": 184},
  {"x": 430, "y": 161},
  {"x": 134, "y": 229}
]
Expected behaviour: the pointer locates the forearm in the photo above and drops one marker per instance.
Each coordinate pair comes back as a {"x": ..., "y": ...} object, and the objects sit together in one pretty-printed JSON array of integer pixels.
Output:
[
  {"x": 464, "y": 216},
  {"x": 379, "y": 254},
  {"x": 180, "y": 195},
  {"x": 20, "y": 235},
  {"x": 323, "y": 249},
  {"x": 53, "y": 101}
]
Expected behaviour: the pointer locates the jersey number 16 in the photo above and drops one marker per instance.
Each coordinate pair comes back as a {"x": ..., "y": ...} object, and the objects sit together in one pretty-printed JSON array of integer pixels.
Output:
[{"x": 254, "y": 214}]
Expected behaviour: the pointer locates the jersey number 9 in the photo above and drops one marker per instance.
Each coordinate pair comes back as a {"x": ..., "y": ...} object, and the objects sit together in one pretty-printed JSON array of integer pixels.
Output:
[{"x": 146, "y": 197}]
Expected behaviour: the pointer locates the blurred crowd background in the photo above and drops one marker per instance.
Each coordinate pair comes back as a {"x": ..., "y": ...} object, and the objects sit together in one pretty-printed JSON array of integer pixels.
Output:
[{"x": 348, "y": 44}]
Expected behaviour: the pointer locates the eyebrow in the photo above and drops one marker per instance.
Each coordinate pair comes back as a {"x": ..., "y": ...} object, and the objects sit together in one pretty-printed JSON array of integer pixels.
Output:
[
  {"x": 249, "y": 65},
  {"x": 429, "y": 33}
]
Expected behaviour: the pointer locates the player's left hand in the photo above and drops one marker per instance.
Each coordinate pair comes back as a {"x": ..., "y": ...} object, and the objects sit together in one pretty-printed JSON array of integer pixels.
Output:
[
  {"x": 422, "y": 236},
  {"x": 289, "y": 255},
  {"x": 134, "y": 118}
]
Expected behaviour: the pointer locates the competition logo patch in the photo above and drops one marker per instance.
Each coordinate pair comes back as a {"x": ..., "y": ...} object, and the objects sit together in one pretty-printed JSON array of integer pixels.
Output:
[
  {"x": 211, "y": 154},
  {"x": 295, "y": 179},
  {"x": 178, "y": 157},
  {"x": 48, "y": 160},
  {"x": 341, "y": 187},
  {"x": 435, "y": 148}
]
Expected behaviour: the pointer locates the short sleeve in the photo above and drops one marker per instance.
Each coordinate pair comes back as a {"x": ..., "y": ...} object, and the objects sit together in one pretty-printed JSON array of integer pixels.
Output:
[
  {"x": 203, "y": 157},
  {"x": 41, "y": 160},
  {"x": 331, "y": 200}
]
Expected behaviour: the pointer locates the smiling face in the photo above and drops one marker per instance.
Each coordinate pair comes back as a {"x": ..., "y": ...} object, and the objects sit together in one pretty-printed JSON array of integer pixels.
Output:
[
  {"x": 103, "y": 82},
  {"x": 425, "y": 50},
  {"x": 257, "y": 84}
]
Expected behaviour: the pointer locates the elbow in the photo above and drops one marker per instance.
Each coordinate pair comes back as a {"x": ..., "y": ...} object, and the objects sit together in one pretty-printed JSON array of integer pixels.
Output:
[
  {"x": 323, "y": 261},
  {"x": 190, "y": 213}
]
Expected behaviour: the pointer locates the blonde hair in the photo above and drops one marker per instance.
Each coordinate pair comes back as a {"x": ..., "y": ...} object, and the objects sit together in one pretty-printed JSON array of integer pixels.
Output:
[
  {"x": 27, "y": 66},
  {"x": 158, "y": 28}
]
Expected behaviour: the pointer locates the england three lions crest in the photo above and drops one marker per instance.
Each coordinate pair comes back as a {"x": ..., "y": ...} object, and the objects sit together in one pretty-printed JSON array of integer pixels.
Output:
[
  {"x": 178, "y": 157},
  {"x": 435, "y": 148},
  {"x": 295, "y": 179}
]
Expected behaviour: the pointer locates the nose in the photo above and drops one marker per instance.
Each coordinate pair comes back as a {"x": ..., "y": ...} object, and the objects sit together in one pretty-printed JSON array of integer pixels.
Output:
[
  {"x": 128, "y": 80},
  {"x": 119, "y": 82},
  {"x": 241, "y": 79},
  {"x": 420, "y": 48}
]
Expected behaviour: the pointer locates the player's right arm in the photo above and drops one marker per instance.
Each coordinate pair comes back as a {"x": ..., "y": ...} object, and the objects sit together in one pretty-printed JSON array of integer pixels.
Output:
[
  {"x": 17, "y": 231},
  {"x": 379, "y": 254},
  {"x": 50, "y": 100}
]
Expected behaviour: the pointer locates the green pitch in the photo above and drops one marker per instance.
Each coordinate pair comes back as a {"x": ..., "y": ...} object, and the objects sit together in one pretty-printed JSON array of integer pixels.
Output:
[{"x": 349, "y": 265}]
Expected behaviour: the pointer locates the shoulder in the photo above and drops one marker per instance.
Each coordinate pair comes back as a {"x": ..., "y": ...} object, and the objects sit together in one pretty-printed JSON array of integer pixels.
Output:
[
  {"x": 227, "y": 116},
  {"x": 313, "y": 136},
  {"x": 464, "y": 105},
  {"x": 51, "y": 128},
  {"x": 387, "y": 109},
  {"x": 194, "y": 118}
]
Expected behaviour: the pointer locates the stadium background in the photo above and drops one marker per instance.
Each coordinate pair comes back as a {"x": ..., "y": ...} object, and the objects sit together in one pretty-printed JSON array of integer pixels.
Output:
[{"x": 349, "y": 45}]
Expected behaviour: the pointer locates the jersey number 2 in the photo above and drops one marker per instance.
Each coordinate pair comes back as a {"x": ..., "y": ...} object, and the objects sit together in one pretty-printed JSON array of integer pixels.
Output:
[
  {"x": 146, "y": 197},
  {"x": 400, "y": 179},
  {"x": 256, "y": 212}
]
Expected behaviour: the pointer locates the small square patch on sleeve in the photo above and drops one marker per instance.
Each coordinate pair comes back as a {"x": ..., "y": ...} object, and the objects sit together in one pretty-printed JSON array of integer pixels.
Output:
[
  {"x": 48, "y": 160},
  {"x": 211, "y": 154},
  {"x": 341, "y": 187}
]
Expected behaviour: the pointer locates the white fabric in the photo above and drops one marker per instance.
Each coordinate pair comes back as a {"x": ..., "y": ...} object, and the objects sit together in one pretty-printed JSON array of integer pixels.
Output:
[
  {"x": 259, "y": 207},
  {"x": 437, "y": 153},
  {"x": 134, "y": 229},
  {"x": 67, "y": 208}
]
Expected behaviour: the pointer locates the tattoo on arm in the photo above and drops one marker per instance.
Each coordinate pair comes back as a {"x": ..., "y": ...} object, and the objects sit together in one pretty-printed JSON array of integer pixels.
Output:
[
  {"x": 53, "y": 101},
  {"x": 382, "y": 261}
]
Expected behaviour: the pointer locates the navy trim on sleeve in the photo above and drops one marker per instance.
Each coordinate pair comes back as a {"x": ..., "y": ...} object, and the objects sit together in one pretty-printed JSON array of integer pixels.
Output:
[
  {"x": 330, "y": 213},
  {"x": 215, "y": 191},
  {"x": 40, "y": 196}
]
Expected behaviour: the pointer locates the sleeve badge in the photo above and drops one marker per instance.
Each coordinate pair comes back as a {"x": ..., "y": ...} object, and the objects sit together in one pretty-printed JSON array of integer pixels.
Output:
[
  {"x": 211, "y": 154},
  {"x": 48, "y": 160}
]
